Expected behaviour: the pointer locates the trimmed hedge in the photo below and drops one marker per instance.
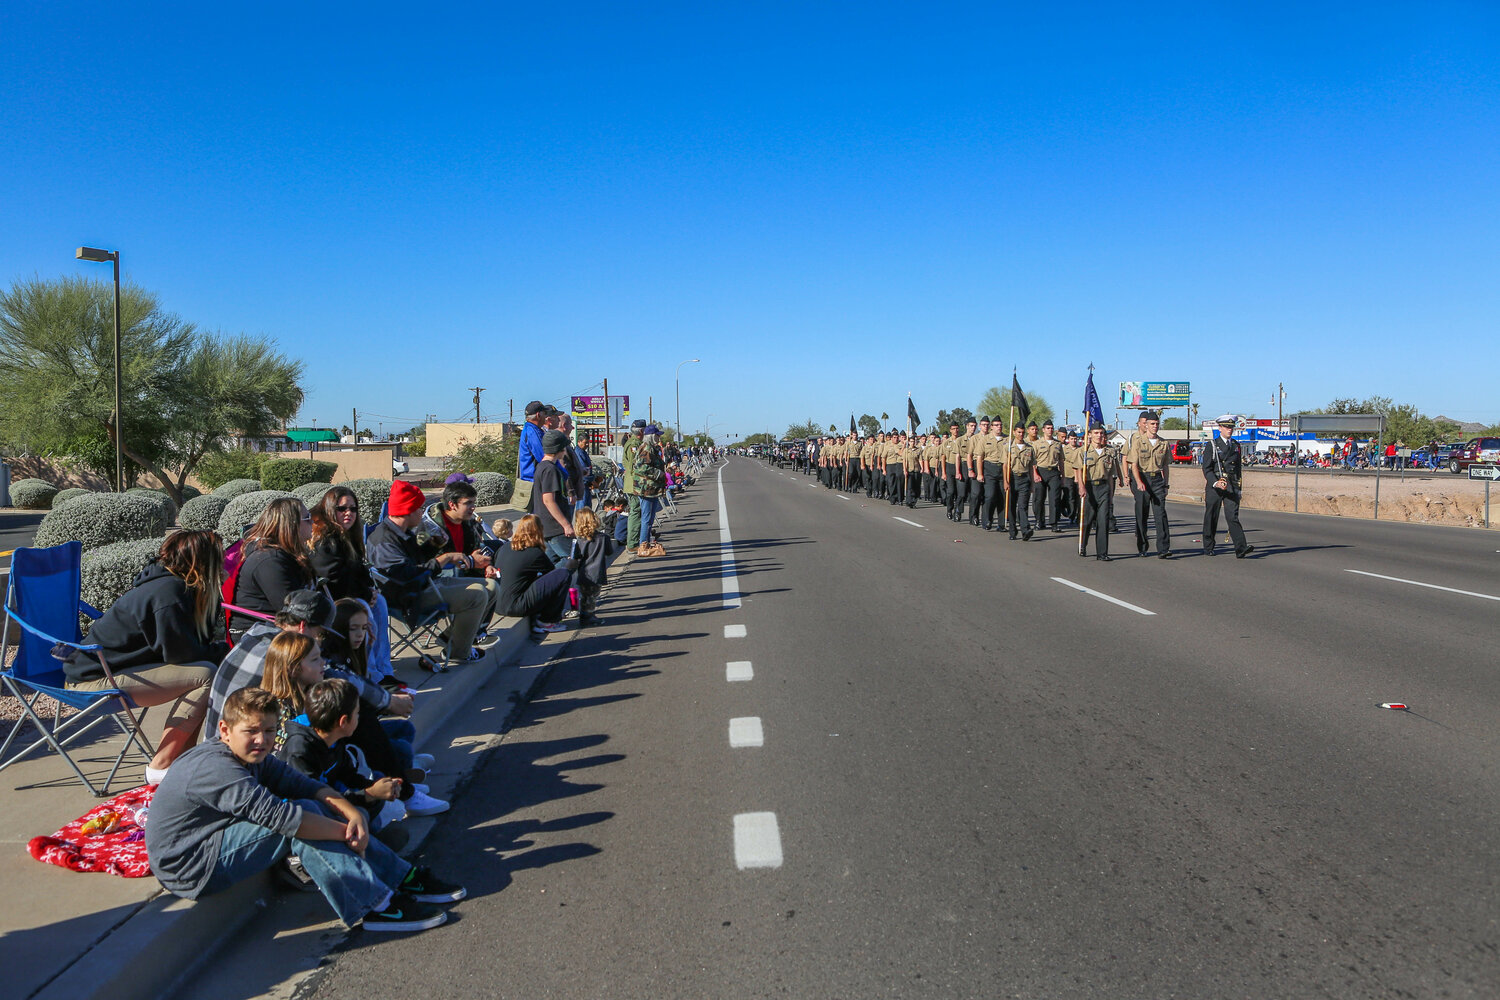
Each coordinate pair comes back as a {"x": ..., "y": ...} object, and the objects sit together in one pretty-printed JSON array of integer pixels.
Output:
[
  {"x": 290, "y": 473},
  {"x": 238, "y": 487},
  {"x": 312, "y": 493},
  {"x": 32, "y": 494},
  {"x": 243, "y": 511},
  {"x": 70, "y": 493},
  {"x": 101, "y": 519},
  {"x": 214, "y": 470},
  {"x": 372, "y": 494},
  {"x": 168, "y": 507},
  {"x": 109, "y": 570},
  {"x": 493, "y": 488},
  {"x": 202, "y": 513}
]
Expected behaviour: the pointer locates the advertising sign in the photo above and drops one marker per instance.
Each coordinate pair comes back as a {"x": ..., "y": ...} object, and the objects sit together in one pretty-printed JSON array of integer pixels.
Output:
[
  {"x": 1153, "y": 394},
  {"x": 592, "y": 407}
]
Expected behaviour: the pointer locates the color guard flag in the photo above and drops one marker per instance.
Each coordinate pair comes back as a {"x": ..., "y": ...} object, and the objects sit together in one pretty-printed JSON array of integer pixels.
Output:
[
  {"x": 1018, "y": 400},
  {"x": 1093, "y": 413},
  {"x": 911, "y": 414}
]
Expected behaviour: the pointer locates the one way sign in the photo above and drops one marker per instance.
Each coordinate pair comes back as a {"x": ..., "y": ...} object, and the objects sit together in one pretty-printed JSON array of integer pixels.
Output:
[{"x": 1484, "y": 472}]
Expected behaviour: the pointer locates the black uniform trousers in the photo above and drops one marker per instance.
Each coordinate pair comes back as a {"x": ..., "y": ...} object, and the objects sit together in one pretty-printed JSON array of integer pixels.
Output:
[
  {"x": 1098, "y": 507},
  {"x": 1018, "y": 504},
  {"x": 976, "y": 497},
  {"x": 851, "y": 476},
  {"x": 951, "y": 485},
  {"x": 994, "y": 496},
  {"x": 1045, "y": 496},
  {"x": 895, "y": 480},
  {"x": 1152, "y": 502},
  {"x": 1213, "y": 500},
  {"x": 913, "y": 487}
]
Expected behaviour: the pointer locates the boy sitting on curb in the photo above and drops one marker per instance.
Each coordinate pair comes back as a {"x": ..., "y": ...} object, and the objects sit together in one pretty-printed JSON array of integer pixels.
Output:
[{"x": 227, "y": 809}]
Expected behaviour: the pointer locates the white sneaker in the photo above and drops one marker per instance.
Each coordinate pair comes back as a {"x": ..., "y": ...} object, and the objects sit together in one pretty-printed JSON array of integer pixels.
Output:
[
  {"x": 421, "y": 786},
  {"x": 423, "y": 761},
  {"x": 423, "y": 804}
]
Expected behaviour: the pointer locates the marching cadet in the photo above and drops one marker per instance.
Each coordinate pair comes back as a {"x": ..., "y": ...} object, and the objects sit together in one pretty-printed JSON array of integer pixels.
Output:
[
  {"x": 1221, "y": 477},
  {"x": 1048, "y": 476},
  {"x": 1147, "y": 464},
  {"x": 1098, "y": 473},
  {"x": 895, "y": 469},
  {"x": 992, "y": 469},
  {"x": 911, "y": 460},
  {"x": 851, "y": 465},
  {"x": 952, "y": 445},
  {"x": 972, "y": 460},
  {"x": 1072, "y": 449},
  {"x": 1020, "y": 460},
  {"x": 932, "y": 460}
]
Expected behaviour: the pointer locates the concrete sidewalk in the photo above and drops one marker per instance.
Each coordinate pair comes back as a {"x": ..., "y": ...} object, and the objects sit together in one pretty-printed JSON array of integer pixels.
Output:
[{"x": 69, "y": 935}]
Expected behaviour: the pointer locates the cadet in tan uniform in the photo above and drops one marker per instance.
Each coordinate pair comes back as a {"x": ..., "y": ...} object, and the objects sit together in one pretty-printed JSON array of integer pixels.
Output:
[
  {"x": 1072, "y": 452},
  {"x": 1098, "y": 473},
  {"x": 1148, "y": 464},
  {"x": 973, "y": 479},
  {"x": 895, "y": 469},
  {"x": 992, "y": 469},
  {"x": 1048, "y": 477},
  {"x": 932, "y": 468},
  {"x": 911, "y": 460},
  {"x": 1020, "y": 460},
  {"x": 951, "y": 483}
]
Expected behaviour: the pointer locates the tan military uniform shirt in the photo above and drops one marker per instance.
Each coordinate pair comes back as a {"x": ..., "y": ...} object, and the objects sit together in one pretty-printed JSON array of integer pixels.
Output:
[
  {"x": 1048, "y": 453},
  {"x": 952, "y": 448},
  {"x": 1101, "y": 466},
  {"x": 1019, "y": 458},
  {"x": 1070, "y": 460},
  {"x": 991, "y": 451},
  {"x": 1148, "y": 455},
  {"x": 975, "y": 443}
]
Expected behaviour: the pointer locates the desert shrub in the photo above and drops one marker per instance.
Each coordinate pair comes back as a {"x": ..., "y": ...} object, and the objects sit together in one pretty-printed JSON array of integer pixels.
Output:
[
  {"x": 109, "y": 570},
  {"x": 488, "y": 454},
  {"x": 188, "y": 492},
  {"x": 238, "y": 487},
  {"x": 493, "y": 488},
  {"x": 70, "y": 493},
  {"x": 243, "y": 511},
  {"x": 168, "y": 507},
  {"x": 312, "y": 493},
  {"x": 202, "y": 513},
  {"x": 32, "y": 494},
  {"x": 290, "y": 473},
  {"x": 102, "y": 519},
  {"x": 416, "y": 448},
  {"x": 372, "y": 494},
  {"x": 214, "y": 471}
]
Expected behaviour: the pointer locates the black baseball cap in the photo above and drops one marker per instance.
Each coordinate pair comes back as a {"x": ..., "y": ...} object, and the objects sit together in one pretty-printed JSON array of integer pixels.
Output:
[
  {"x": 534, "y": 407},
  {"x": 1150, "y": 415},
  {"x": 311, "y": 606}
]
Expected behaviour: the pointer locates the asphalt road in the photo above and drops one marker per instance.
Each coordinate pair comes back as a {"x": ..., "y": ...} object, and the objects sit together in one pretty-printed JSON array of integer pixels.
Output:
[
  {"x": 17, "y": 528},
  {"x": 985, "y": 782}
]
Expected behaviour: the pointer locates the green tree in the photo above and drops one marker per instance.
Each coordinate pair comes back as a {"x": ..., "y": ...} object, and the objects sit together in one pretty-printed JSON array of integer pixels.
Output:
[
  {"x": 808, "y": 428},
  {"x": 763, "y": 437},
  {"x": 1403, "y": 422},
  {"x": 868, "y": 425},
  {"x": 957, "y": 415},
  {"x": 996, "y": 401},
  {"x": 1174, "y": 424}
]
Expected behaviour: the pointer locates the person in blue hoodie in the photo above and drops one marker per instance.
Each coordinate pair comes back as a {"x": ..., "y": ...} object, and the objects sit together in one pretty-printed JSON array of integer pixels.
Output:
[{"x": 157, "y": 644}]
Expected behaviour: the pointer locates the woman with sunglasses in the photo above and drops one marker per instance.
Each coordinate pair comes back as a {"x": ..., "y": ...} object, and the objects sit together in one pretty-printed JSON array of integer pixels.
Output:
[
  {"x": 338, "y": 561},
  {"x": 276, "y": 561}
]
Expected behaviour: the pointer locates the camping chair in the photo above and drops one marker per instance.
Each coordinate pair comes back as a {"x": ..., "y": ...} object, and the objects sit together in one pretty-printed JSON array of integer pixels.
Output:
[
  {"x": 42, "y": 601},
  {"x": 410, "y": 626}
]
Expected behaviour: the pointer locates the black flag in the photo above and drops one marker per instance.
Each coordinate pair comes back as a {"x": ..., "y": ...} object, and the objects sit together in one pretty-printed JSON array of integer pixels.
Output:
[
  {"x": 852, "y": 430},
  {"x": 911, "y": 414},
  {"x": 1018, "y": 400}
]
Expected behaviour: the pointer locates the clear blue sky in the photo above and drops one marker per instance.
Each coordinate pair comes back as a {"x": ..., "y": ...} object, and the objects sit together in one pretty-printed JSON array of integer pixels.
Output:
[{"x": 830, "y": 205}]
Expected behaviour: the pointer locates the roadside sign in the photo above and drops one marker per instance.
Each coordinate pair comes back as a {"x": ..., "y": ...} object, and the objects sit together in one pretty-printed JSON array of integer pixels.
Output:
[{"x": 1484, "y": 472}]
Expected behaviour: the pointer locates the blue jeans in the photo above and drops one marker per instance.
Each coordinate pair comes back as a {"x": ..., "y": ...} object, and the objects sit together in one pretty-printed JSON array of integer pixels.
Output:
[
  {"x": 403, "y": 736},
  {"x": 353, "y": 885},
  {"x": 378, "y": 657},
  {"x": 649, "y": 507},
  {"x": 560, "y": 548}
]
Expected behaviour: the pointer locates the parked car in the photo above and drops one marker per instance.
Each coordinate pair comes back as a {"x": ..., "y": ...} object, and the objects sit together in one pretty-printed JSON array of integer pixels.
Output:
[
  {"x": 1182, "y": 451},
  {"x": 399, "y": 468},
  {"x": 1481, "y": 450}
]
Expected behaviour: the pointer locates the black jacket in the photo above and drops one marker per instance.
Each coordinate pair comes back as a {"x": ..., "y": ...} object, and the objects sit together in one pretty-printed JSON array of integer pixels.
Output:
[
  {"x": 335, "y": 562},
  {"x": 266, "y": 576},
  {"x": 519, "y": 569},
  {"x": 1221, "y": 457},
  {"x": 152, "y": 623},
  {"x": 405, "y": 560},
  {"x": 473, "y": 536}
]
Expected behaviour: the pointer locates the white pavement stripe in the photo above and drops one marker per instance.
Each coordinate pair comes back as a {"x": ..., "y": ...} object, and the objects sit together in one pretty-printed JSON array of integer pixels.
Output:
[
  {"x": 1102, "y": 597},
  {"x": 914, "y": 524},
  {"x": 1429, "y": 586},
  {"x": 757, "y": 841},
  {"x": 734, "y": 631},
  {"x": 841, "y": 496},
  {"x": 746, "y": 732},
  {"x": 738, "y": 670},
  {"x": 726, "y": 554}
]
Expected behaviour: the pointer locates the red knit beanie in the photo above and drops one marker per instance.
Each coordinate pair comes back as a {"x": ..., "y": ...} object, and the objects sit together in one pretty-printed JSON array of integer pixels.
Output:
[{"x": 405, "y": 498}]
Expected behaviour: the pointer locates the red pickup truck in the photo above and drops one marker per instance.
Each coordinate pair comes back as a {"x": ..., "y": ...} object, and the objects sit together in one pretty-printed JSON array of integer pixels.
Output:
[{"x": 1482, "y": 450}]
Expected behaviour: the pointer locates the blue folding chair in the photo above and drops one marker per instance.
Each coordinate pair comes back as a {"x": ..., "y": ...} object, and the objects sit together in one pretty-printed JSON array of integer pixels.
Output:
[
  {"x": 410, "y": 626},
  {"x": 42, "y": 602}
]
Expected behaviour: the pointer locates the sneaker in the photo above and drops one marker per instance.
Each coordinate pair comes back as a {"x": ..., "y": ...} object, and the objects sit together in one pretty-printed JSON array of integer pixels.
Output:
[
  {"x": 403, "y": 913},
  {"x": 423, "y": 886},
  {"x": 545, "y": 628},
  {"x": 423, "y": 761},
  {"x": 290, "y": 872},
  {"x": 423, "y": 804}
]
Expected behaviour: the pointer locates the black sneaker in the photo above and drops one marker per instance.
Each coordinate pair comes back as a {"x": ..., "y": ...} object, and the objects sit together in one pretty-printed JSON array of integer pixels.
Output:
[
  {"x": 291, "y": 873},
  {"x": 423, "y": 886},
  {"x": 403, "y": 913}
]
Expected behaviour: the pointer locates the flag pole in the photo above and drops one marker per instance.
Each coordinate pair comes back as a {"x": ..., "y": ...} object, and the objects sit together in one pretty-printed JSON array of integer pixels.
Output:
[
  {"x": 1006, "y": 475},
  {"x": 1082, "y": 470}
]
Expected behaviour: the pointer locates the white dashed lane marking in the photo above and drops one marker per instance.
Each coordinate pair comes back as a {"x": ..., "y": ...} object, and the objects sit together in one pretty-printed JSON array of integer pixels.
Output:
[
  {"x": 726, "y": 554},
  {"x": 738, "y": 670},
  {"x": 1429, "y": 586},
  {"x": 734, "y": 631},
  {"x": 914, "y": 524},
  {"x": 1102, "y": 596},
  {"x": 757, "y": 841},
  {"x": 746, "y": 732}
]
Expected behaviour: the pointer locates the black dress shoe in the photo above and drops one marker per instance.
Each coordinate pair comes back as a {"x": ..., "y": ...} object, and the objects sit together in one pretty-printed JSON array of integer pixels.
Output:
[
  {"x": 1104, "y": 558},
  {"x": 1083, "y": 553},
  {"x": 1208, "y": 552},
  {"x": 1242, "y": 553},
  {"x": 1164, "y": 555},
  {"x": 1026, "y": 536},
  {"x": 1012, "y": 536}
]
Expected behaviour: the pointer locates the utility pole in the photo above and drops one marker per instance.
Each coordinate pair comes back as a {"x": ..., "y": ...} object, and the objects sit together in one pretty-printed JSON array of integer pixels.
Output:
[
  {"x": 650, "y": 413},
  {"x": 476, "y": 390},
  {"x": 512, "y": 410},
  {"x": 608, "y": 438},
  {"x": 354, "y": 415}
]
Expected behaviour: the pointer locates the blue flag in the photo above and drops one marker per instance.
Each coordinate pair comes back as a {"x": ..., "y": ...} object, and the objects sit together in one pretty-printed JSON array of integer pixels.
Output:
[{"x": 1092, "y": 412}]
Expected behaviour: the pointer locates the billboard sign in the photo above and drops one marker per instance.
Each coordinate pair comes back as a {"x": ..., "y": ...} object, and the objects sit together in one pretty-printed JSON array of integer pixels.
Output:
[
  {"x": 1153, "y": 394},
  {"x": 592, "y": 407}
]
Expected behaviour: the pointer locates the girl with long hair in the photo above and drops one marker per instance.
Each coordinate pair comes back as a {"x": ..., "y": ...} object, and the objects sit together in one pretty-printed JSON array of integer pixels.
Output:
[
  {"x": 530, "y": 586},
  {"x": 276, "y": 560},
  {"x": 338, "y": 561}
]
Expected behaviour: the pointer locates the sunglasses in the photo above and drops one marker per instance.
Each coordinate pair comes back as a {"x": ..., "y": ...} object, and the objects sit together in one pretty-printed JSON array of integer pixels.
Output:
[{"x": 346, "y": 509}]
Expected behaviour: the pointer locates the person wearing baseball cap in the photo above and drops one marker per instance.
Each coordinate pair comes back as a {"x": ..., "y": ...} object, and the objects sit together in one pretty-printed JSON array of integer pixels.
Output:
[
  {"x": 632, "y": 498},
  {"x": 411, "y": 564},
  {"x": 309, "y": 612},
  {"x": 649, "y": 474},
  {"x": 530, "y": 451},
  {"x": 1221, "y": 477}
]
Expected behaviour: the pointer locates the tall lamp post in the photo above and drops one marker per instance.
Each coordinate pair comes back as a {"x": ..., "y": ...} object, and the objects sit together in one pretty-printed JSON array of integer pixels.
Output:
[
  {"x": 689, "y": 361},
  {"x": 100, "y": 256}
]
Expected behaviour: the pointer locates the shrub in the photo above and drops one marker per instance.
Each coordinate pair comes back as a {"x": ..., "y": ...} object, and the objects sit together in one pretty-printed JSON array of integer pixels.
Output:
[
  {"x": 372, "y": 494},
  {"x": 243, "y": 511},
  {"x": 312, "y": 493},
  {"x": 168, "y": 507},
  {"x": 493, "y": 488},
  {"x": 214, "y": 471},
  {"x": 237, "y": 487},
  {"x": 290, "y": 473},
  {"x": 109, "y": 570},
  {"x": 488, "y": 454},
  {"x": 101, "y": 519},
  {"x": 202, "y": 513},
  {"x": 416, "y": 448},
  {"x": 33, "y": 494},
  {"x": 70, "y": 493}
]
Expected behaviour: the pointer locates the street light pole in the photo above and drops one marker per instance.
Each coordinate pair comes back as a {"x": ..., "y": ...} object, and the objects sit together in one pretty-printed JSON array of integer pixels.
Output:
[
  {"x": 689, "y": 361},
  {"x": 99, "y": 256}
]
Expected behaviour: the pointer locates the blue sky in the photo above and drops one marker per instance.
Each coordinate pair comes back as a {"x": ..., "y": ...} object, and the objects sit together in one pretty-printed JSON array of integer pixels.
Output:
[{"x": 830, "y": 205}]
